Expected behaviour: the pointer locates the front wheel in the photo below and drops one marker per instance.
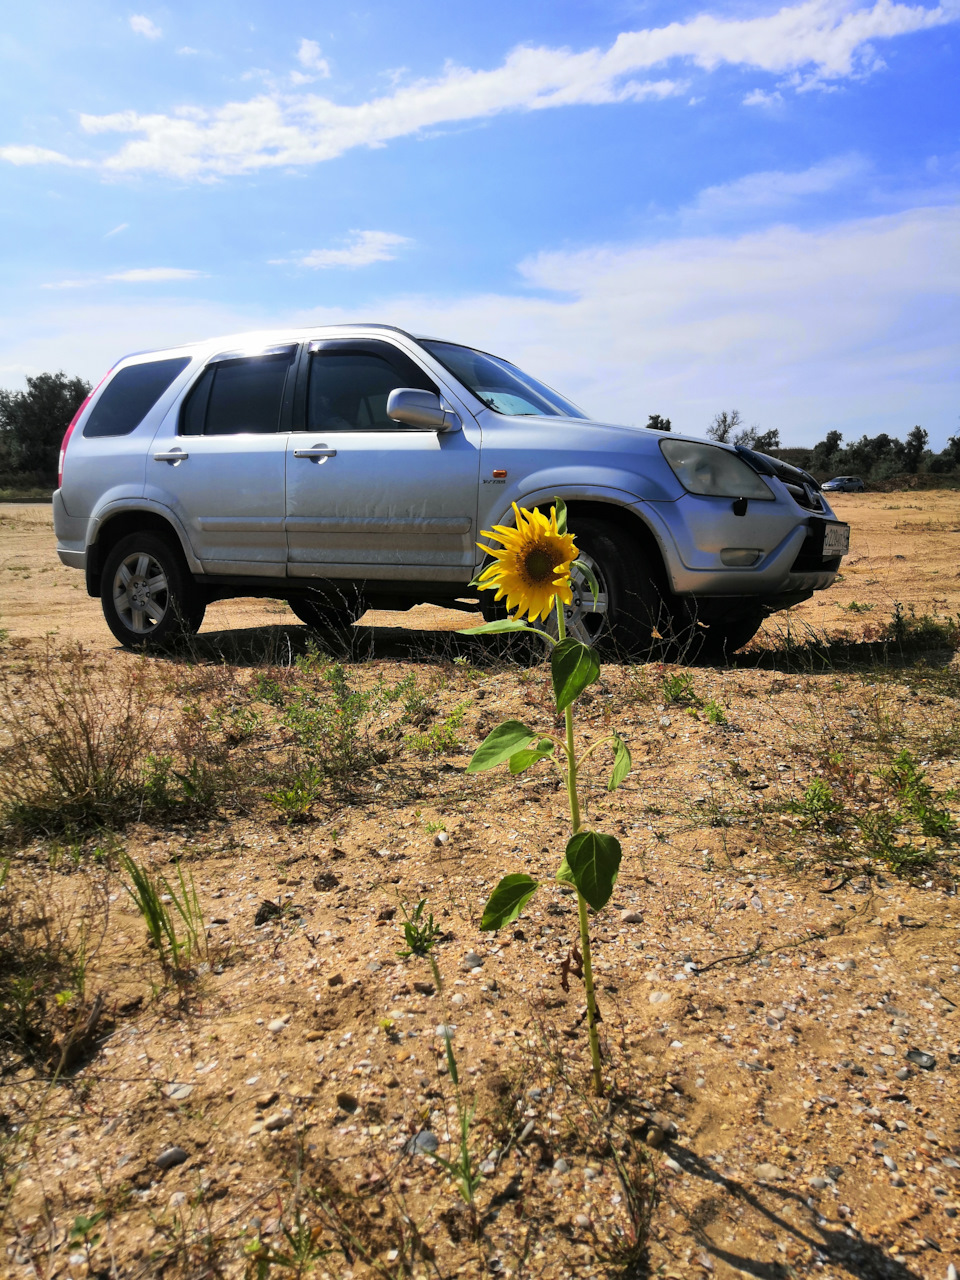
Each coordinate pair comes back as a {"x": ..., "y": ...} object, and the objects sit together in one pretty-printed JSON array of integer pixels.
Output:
[
  {"x": 147, "y": 594},
  {"x": 631, "y": 614}
]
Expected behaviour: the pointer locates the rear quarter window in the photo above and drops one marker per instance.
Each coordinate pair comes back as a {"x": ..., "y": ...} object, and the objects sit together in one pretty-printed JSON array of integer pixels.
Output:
[{"x": 130, "y": 395}]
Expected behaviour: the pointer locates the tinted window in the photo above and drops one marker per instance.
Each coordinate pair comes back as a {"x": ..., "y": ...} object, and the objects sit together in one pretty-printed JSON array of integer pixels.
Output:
[
  {"x": 501, "y": 385},
  {"x": 130, "y": 395},
  {"x": 235, "y": 396},
  {"x": 348, "y": 390}
]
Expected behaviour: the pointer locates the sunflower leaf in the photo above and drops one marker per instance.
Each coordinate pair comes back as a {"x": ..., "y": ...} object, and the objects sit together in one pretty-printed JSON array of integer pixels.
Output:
[
  {"x": 522, "y": 760},
  {"x": 499, "y": 624},
  {"x": 622, "y": 762},
  {"x": 582, "y": 567},
  {"x": 573, "y": 666},
  {"x": 561, "y": 509},
  {"x": 499, "y": 745},
  {"x": 594, "y": 862},
  {"x": 507, "y": 901},
  {"x": 564, "y": 874}
]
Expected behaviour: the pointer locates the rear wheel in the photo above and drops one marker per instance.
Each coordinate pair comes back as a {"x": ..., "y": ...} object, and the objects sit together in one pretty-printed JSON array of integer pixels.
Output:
[
  {"x": 329, "y": 608},
  {"x": 147, "y": 594}
]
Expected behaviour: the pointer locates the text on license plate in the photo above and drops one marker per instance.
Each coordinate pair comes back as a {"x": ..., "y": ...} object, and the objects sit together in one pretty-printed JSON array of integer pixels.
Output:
[{"x": 836, "y": 540}]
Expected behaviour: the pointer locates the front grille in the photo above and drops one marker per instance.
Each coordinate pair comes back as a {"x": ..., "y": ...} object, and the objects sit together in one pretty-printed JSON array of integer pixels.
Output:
[
  {"x": 801, "y": 486},
  {"x": 809, "y": 558}
]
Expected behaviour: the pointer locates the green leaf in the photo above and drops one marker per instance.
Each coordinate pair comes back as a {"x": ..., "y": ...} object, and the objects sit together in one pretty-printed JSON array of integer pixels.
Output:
[
  {"x": 561, "y": 509},
  {"x": 582, "y": 567},
  {"x": 594, "y": 862},
  {"x": 507, "y": 901},
  {"x": 521, "y": 760},
  {"x": 622, "y": 762},
  {"x": 564, "y": 874},
  {"x": 573, "y": 666},
  {"x": 499, "y": 745},
  {"x": 498, "y": 624}
]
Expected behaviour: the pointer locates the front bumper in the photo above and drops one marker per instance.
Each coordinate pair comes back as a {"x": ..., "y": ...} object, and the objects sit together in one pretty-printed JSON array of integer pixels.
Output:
[{"x": 694, "y": 532}]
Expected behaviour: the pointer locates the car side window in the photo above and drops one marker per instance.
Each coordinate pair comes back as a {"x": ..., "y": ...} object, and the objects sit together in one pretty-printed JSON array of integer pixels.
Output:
[
  {"x": 348, "y": 390},
  {"x": 130, "y": 395},
  {"x": 235, "y": 396}
]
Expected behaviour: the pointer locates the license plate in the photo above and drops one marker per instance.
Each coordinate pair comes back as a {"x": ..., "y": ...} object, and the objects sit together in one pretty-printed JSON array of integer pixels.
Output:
[{"x": 836, "y": 540}]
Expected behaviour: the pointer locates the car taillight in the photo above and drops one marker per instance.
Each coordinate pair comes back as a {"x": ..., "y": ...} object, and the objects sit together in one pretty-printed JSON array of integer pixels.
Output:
[
  {"x": 66, "y": 441},
  {"x": 73, "y": 422}
]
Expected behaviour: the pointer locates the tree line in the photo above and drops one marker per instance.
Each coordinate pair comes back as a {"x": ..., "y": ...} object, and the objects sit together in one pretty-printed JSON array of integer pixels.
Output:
[{"x": 32, "y": 425}]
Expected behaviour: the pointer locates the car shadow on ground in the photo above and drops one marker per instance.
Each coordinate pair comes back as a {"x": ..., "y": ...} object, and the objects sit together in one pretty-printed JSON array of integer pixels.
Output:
[{"x": 837, "y": 1244}]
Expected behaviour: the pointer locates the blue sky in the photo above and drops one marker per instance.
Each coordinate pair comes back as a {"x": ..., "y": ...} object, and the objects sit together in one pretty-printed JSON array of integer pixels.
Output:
[{"x": 659, "y": 208}]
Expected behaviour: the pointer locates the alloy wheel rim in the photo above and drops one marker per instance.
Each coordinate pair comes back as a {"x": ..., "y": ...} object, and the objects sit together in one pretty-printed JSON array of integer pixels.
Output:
[
  {"x": 585, "y": 619},
  {"x": 141, "y": 595}
]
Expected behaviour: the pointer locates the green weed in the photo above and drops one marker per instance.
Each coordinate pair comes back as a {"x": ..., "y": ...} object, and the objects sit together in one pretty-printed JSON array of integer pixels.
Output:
[
  {"x": 421, "y": 935},
  {"x": 678, "y": 688}
]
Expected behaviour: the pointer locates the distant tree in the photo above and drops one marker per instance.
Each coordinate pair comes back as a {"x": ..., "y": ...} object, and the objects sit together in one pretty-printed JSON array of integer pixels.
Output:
[
  {"x": 656, "y": 423},
  {"x": 33, "y": 422},
  {"x": 913, "y": 448},
  {"x": 762, "y": 441},
  {"x": 724, "y": 426}
]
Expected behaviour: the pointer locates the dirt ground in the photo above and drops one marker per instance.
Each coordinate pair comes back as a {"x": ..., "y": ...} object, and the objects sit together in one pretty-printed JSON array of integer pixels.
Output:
[{"x": 779, "y": 983}]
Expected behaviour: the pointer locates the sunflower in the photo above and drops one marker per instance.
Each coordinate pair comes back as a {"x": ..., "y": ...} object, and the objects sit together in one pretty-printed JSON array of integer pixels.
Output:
[{"x": 533, "y": 568}]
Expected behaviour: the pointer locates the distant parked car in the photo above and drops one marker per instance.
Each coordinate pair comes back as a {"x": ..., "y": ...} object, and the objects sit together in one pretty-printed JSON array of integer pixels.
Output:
[
  {"x": 348, "y": 467},
  {"x": 844, "y": 484}
]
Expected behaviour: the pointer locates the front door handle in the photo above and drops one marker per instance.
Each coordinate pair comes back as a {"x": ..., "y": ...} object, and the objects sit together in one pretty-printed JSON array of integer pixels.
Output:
[
  {"x": 318, "y": 451},
  {"x": 174, "y": 456}
]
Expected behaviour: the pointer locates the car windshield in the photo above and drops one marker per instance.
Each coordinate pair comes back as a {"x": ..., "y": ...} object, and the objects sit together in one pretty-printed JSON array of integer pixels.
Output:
[{"x": 501, "y": 385}]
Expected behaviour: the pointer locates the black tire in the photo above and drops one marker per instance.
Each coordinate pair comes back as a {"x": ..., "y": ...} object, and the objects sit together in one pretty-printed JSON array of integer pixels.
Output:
[
  {"x": 633, "y": 617},
  {"x": 148, "y": 596},
  {"x": 719, "y": 641},
  {"x": 329, "y": 609}
]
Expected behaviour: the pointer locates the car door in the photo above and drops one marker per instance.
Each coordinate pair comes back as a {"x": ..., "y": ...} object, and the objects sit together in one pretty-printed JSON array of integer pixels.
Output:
[
  {"x": 368, "y": 497},
  {"x": 219, "y": 462}
]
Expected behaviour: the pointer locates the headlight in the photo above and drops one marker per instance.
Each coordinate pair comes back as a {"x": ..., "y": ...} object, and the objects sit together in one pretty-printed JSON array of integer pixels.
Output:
[{"x": 714, "y": 472}]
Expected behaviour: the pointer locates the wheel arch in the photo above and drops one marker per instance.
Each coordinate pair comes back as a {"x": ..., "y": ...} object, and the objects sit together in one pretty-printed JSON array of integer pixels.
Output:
[{"x": 116, "y": 525}]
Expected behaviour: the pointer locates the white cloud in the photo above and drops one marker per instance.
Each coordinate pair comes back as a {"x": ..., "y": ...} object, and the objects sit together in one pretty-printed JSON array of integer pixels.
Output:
[
  {"x": 123, "y": 226},
  {"x": 812, "y": 43},
  {"x": 365, "y": 248},
  {"x": 187, "y": 51},
  {"x": 759, "y": 98},
  {"x": 775, "y": 188},
  {"x": 848, "y": 326},
  {"x": 137, "y": 275},
  {"x": 310, "y": 57},
  {"x": 39, "y": 155},
  {"x": 144, "y": 27}
]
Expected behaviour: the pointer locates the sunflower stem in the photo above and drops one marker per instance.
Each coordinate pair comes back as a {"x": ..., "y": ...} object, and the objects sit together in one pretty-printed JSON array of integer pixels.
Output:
[{"x": 573, "y": 797}]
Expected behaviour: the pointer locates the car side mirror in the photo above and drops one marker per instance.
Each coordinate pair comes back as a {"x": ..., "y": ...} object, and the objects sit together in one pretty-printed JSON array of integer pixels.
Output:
[{"x": 420, "y": 409}]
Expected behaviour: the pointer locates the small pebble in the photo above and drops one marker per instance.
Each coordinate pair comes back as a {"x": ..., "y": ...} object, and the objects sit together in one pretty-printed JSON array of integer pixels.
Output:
[
  {"x": 177, "y": 1199},
  {"x": 560, "y": 1165},
  {"x": 888, "y": 1050},
  {"x": 347, "y": 1101},
  {"x": 266, "y": 1100},
  {"x": 819, "y": 1184},
  {"x": 769, "y": 1173},
  {"x": 658, "y": 997},
  {"x": 170, "y": 1157},
  {"x": 920, "y": 1059},
  {"x": 279, "y": 1120},
  {"x": 471, "y": 961},
  {"x": 277, "y": 1025},
  {"x": 445, "y": 1031},
  {"x": 335, "y": 980},
  {"x": 903, "y": 1073},
  {"x": 890, "y": 1163},
  {"x": 441, "y": 838},
  {"x": 425, "y": 1143},
  {"x": 631, "y": 917},
  {"x": 581, "y": 1220}
]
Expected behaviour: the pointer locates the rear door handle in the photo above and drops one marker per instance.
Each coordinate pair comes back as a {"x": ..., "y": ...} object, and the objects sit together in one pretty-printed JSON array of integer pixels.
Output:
[
  {"x": 174, "y": 456},
  {"x": 318, "y": 451}
]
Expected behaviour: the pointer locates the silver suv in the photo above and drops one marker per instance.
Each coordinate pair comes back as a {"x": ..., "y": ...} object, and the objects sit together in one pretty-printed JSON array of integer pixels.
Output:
[{"x": 353, "y": 467}]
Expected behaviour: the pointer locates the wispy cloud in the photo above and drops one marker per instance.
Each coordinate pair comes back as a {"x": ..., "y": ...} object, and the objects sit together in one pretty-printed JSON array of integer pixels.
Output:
[
  {"x": 116, "y": 230},
  {"x": 39, "y": 155},
  {"x": 760, "y": 98},
  {"x": 814, "y": 43},
  {"x": 311, "y": 59},
  {"x": 364, "y": 249},
  {"x": 775, "y": 189},
  {"x": 137, "y": 275},
  {"x": 144, "y": 27}
]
